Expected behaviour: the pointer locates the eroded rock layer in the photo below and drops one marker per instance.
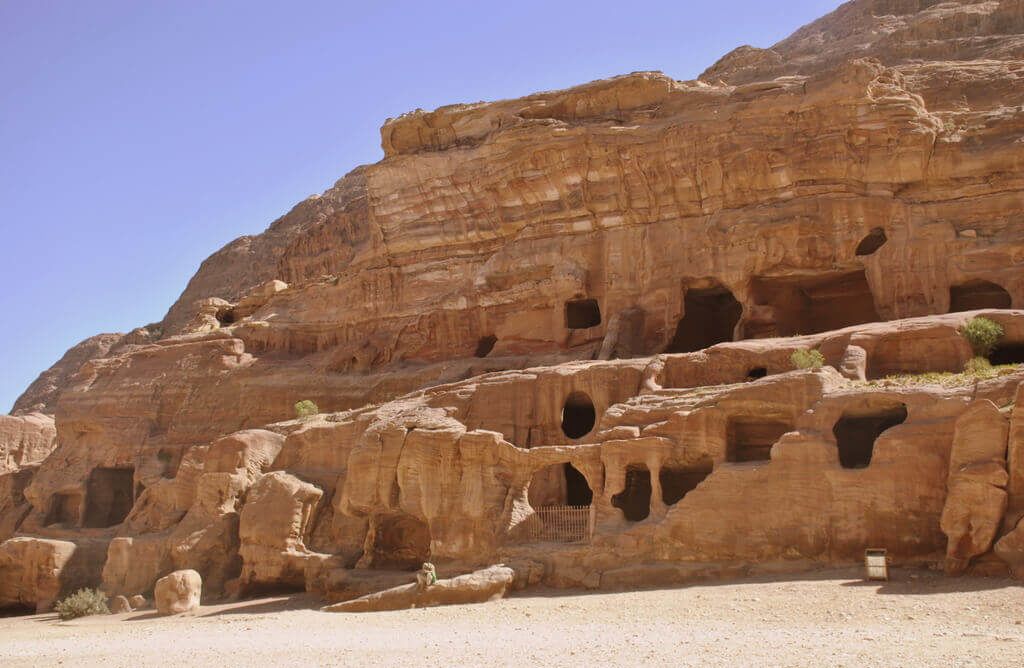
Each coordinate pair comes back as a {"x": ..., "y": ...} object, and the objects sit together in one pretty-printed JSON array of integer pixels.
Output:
[{"x": 556, "y": 331}]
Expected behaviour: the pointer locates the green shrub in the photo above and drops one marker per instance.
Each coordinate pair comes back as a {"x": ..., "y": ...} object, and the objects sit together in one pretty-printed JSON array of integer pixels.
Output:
[
  {"x": 982, "y": 334},
  {"x": 83, "y": 602},
  {"x": 977, "y": 366},
  {"x": 807, "y": 359},
  {"x": 305, "y": 408}
]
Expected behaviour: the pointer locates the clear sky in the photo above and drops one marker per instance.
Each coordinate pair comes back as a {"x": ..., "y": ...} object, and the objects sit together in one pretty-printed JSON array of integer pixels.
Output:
[{"x": 136, "y": 138}]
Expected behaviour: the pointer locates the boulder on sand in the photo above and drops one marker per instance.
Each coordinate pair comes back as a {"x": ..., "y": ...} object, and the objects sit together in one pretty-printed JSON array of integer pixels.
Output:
[
  {"x": 477, "y": 587},
  {"x": 178, "y": 592}
]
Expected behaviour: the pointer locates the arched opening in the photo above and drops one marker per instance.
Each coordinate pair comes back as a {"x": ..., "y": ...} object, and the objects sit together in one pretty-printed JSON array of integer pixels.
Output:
[
  {"x": 872, "y": 242},
  {"x": 977, "y": 294},
  {"x": 635, "y": 499},
  {"x": 578, "y": 415},
  {"x": 677, "y": 482},
  {"x": 749, "y": 438},
  {"x": 1010, "y": 353},
  {"x": 793, "y": 305},
  {"x": 401, "y": 542},
  {"x": 582, "y": 313},
  {"x": 109, "y": 496},
  {"x": 856, "y": 433},
  {"x": 757, "y": 372},
  {"x": 485, "y": 345},
  {"x": 559, "y": 485},
  {"x": 709, "y": 317}
]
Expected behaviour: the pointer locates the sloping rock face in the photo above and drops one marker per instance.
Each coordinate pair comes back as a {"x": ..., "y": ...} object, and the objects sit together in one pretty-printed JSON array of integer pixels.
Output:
[{"x": 556, "y": 331}]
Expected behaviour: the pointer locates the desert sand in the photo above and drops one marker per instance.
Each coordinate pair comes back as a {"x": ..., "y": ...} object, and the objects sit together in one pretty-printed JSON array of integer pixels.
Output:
[{"x": 832, "y": 618}]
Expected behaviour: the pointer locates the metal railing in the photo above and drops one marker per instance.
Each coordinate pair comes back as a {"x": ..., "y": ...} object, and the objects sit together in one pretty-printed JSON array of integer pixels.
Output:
[{"x": 560, "y": 524}]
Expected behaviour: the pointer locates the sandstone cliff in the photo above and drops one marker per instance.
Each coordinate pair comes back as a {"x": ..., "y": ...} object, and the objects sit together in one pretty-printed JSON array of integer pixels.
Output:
[{"x": 588, "y": 298}]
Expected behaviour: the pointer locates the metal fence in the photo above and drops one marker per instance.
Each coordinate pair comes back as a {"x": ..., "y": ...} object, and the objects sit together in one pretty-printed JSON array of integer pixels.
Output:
[{"x": 560, "y": 524}]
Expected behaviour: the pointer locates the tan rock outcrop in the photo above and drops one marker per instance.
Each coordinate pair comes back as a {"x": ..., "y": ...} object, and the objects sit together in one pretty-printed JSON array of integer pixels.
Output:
[
  {"x": 976, "y": 496},
  {"x": 178, "y": 592}
]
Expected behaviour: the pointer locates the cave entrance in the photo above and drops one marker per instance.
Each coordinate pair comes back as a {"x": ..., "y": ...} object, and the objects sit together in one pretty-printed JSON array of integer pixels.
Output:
[
  {"x": 65, "y": 508},
  {"x": 757, "y": 372},
  {"x": 709, "y": 317},
  {"x": 750, "y": 438},
  {"x": 811, "y": 304},
  {"x": 400, "y": 542},
  {"x": 874, "y": 240},
  {"x": 108, "y": 497},
  {"x": 485, "y": 345},
  {"x": 1011, "y": 353},
  {"x": 856, "y": 433},
  {"x": 559, "y": 485},
  {"x": 582, "y": 314},
  {"x": 677, "y": 482},
  {"x": 635, "y": 498},
  {"x": 977, "y": 294},
  {"x": 578, "y": 415}
]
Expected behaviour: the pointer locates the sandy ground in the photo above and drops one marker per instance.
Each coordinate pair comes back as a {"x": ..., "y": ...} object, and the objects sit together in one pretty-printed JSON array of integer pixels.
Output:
[{"x": 827, "y": 619}]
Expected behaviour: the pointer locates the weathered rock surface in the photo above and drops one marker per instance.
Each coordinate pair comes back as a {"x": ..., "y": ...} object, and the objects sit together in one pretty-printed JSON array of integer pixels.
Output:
[
  {"x": 178, "y": 592},
  {"x": 477, "y": 587},
  {"x": 119, "y": 604},
  {"x": 556, "y": 330}
]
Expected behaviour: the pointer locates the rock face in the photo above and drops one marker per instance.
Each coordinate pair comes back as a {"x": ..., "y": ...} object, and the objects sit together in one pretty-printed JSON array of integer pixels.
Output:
[
  {"x": 556, "y": 331},
  {"x": 178, "y": 592}
]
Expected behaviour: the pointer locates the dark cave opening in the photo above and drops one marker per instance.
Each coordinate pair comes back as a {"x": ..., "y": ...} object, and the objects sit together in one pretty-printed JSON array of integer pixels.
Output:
[
  {"x": 977, "y": 294},
  {"x": 559, "y": 485},
  {"x": 485, "y": 345},
  {"x": 582, "y": 313},
  {"x": 757, "y": 372},
  {"x": 709, "y": 317},
  {"x": 874, "y": 240},
  {"x": 856, "y": 434},
  {"x": 811, "y": 304},
  {"x": 635, "y": 499},
  {"x": 750, "y": 438},
  {"x": 676, "y": 483},
  {"x": 108, "y": 497},
  {"x": 1011, "y": 353},
  {"x": 401, "y": 542},
  {"x": 578, "y": 415}
]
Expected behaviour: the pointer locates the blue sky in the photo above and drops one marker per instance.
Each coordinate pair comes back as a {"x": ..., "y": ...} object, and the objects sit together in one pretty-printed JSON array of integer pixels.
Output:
[{"x": 136, "y": 138}]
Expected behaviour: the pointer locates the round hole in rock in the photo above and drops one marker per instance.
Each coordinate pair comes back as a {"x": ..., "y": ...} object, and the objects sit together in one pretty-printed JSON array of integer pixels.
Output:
[
  {"x": 872, "y": 242},
  {"x": 1010, "y": 353},
  {"x": 757, "y": 372},
  {"x": 578, "y": 415},
  {"x": 485, "y": 345}
]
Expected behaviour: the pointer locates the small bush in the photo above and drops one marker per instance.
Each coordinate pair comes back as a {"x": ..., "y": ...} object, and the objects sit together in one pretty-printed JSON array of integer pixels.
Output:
[
  {"x": 82, "y": 603},
  {"x": 305, "y": 408},
  {"x": 807, "y": 359},
  {"x": 977, "y": 366},
  {"x": 982, "y": 334}
]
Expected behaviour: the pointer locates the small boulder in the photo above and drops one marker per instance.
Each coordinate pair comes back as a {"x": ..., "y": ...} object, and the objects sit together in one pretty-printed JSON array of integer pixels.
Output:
[
  {"x": 178, "y": 592},
  {"x": 138, "y": 602},
  {"x": 119, "y": 604}
]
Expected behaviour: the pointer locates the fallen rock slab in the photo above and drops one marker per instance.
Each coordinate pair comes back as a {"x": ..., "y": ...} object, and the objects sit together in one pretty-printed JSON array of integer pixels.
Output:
[{"x": 478, "y": 587}]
